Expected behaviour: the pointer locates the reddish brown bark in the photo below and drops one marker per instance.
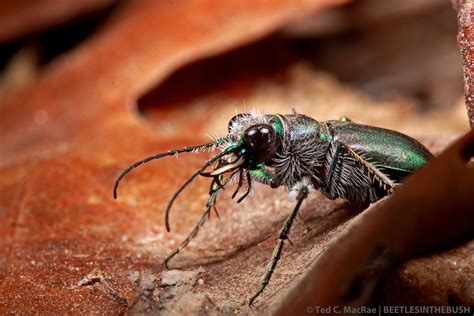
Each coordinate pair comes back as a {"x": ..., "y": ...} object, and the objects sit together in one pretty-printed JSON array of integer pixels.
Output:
[
  {"x": 465, "y": 9},
  {"x": 66, "y": 246}
]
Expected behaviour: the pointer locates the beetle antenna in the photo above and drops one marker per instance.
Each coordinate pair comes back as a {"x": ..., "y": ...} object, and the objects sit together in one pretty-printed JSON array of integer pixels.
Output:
[
  {"x": 198, "y": 172},
  {"x": 161, "y": 155}
]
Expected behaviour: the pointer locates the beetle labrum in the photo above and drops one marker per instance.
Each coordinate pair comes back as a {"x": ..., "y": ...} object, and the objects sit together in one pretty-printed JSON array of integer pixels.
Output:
[{"x": 340, "y": 158}]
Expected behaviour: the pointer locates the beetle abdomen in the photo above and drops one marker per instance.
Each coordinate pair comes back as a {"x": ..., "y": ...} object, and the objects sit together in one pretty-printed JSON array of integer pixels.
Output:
[
  {"x": 347, "y": 178},
  {"x": 365, "y": 163}
]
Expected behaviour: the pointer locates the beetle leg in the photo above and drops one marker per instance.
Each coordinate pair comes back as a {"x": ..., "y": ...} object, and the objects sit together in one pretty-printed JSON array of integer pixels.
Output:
[
  {"x": 285, "y": 230},
  {"x": 382, "y": 178},
  {"x": 249, "y": 187},
  {"x": 241, "y": 182},
  {"x": 265, "y": 176},
  {"x": 210, "y": 202}
]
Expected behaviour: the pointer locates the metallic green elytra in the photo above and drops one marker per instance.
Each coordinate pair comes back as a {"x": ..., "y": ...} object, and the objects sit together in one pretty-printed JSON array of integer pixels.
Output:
[
  {"x": 390, "y": 149},
  {"x": 340, "y": 158}
]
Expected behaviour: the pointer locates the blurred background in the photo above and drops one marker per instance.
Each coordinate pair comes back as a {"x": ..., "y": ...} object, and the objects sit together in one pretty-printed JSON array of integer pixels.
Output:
[
  {"x": 402, "y": 52},
  {"x": 87, "y": 87}
]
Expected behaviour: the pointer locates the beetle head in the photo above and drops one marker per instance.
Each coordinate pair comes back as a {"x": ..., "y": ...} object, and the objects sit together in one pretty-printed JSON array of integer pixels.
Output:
[{"x": 253, "y": 142}]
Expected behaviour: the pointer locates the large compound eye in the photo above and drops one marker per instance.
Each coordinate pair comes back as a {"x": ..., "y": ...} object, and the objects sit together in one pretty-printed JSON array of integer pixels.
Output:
[
  {"x": 259, "y": 136},
  {"x": 237, "y": 119}
]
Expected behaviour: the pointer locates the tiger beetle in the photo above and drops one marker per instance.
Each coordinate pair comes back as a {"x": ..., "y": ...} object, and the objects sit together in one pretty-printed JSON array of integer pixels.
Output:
[{"x": 340, "y": 158}]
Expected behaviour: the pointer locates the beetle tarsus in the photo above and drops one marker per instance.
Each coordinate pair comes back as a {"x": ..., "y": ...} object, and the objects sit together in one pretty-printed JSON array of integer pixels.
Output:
[
  {"x": 285, "y": 230},
  {"x": 167, "y": 260},
  {"x": 211, "y": 202}
]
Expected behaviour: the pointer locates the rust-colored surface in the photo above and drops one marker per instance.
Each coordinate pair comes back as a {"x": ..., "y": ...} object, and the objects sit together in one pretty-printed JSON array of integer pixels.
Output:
[
  {"x": 21, "y": 17},
  {"x": 66, "y": 245},
  {"x": 465, "y": 9}
]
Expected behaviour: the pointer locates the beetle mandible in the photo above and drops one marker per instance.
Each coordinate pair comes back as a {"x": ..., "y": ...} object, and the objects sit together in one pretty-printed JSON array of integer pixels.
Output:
[{"x": 340, "y": 158}]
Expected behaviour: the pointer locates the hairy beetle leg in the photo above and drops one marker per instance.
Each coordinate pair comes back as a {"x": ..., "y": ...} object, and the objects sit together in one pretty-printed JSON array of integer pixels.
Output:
[
  {"x": 387, "y": 184},
  {"x": 285, "y": 230},
  {"x": 210, "y": 203}
]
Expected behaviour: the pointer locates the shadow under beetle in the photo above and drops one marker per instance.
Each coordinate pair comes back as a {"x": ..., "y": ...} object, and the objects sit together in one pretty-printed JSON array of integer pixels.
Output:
[{"x": 340, "y": 158}]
